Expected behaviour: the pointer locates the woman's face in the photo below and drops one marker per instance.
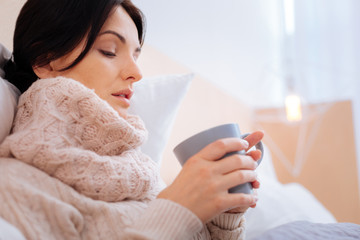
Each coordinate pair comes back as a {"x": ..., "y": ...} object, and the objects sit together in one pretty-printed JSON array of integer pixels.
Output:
[{"x": 110, "y": 67}]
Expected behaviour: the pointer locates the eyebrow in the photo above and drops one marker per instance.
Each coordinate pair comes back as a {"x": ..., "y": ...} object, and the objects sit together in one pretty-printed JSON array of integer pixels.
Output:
[{"x": 120, "y": 37}]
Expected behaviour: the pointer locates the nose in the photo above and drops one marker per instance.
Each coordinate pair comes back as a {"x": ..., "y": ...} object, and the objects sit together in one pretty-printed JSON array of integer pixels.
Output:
[{"x": 132, "y": 71}]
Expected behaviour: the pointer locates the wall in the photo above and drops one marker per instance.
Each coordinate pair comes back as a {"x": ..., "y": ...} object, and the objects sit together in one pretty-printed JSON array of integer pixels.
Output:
[
  {"x": 238, "y": 46},
  {"x": 204, "y": 106},
  {"x": 9, "y": 10},
  {"x": 319, "y": 153}
]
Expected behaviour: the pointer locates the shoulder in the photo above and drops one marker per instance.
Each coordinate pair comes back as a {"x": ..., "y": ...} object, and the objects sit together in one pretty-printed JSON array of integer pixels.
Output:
[
  {"x": 58, "y": 90},
  {"x": 54, "y": 94},
  {"x": 60, "y": 85}
]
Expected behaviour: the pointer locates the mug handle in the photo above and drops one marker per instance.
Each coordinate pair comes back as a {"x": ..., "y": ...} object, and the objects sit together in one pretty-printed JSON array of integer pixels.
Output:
[{"x": 258, "y": 146}]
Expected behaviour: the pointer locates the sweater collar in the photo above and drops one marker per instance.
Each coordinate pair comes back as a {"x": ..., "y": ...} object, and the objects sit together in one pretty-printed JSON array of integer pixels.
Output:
[{"x": 90, "y": 122}]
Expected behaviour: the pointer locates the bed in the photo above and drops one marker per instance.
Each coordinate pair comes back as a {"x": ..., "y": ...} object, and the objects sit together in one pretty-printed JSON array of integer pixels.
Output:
[{"x": 171, "y": 97}]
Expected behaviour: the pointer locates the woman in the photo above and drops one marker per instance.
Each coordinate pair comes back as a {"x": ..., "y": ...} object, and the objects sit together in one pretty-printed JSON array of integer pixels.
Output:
[{"x": 75, "y": 62}]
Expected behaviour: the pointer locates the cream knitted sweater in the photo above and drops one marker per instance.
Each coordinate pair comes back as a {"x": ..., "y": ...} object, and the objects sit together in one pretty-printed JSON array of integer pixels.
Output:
[{"x": 81, "y": 173}]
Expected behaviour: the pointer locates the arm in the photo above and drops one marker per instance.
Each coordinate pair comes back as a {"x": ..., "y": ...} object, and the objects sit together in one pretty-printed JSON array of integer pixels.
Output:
[
  {"x": 161, "y": 219},
  {"x": 224, "y": 226},
  {"x": 204, "y": 184},
  {"x": 166, "y": 219},
  {"x": 130, "y": 175},
  {"x": 227, "y": 226},
  {"x": 204, "y": 181}
]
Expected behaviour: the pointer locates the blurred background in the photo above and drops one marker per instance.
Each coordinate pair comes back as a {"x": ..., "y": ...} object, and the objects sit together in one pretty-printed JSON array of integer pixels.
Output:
[
  {"x": 250, "y": 48},
  {"x": 295, "y": 63}
]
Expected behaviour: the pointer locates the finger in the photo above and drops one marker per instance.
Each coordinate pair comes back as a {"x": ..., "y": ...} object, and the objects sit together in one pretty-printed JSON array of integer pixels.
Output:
[
  {"x": 217, "y": 149},
  {"x": 235, "y": 162},
  {"x": 241, "y": 200},
  {"x": 256, "y": 198},
  {"x": 254, "y": 138},
  {"x": 255, "y": 154},
  {"x": 255, "y": 193},
  {"x": 255, "y": 184},
  {"x": 237, "y": 210},
  {"x": 238, "y": 177}
]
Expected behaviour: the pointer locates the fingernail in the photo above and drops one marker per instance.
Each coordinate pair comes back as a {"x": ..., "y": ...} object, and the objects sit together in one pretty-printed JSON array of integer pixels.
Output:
[
  {"x": 256, "y": 198},
  {"x": 246, "y": 143}
]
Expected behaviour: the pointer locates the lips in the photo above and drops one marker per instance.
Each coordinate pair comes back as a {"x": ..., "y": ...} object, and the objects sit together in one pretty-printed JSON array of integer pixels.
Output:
[{"x": 125, "y": 93}]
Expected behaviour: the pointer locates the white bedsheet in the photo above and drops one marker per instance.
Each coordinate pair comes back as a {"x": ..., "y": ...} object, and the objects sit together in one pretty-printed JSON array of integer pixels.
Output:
[
  {"x": 8, "y": 231},
  {"x": 283, "y": 203},
  {"x": 303, "y": 230}
]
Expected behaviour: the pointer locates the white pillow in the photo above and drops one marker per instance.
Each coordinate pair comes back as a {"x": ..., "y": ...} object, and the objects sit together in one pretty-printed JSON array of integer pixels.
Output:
[
  {"x": 8, "y": 97},
  {"x": 156, "y": 100},
  {"x": 283, "y": 203},
  {"x": 8, "y": 231},
  {"x": 4, "y": 56}
]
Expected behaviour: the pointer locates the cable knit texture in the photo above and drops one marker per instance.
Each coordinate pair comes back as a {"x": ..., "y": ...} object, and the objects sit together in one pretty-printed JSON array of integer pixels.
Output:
[
  {"x": 74, "y": 150},
  {"x": 63, "y": 129}
]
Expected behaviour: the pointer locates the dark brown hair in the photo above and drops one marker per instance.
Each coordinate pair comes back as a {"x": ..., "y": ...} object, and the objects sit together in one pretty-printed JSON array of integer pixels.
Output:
[{"x": 49, "y": 29}]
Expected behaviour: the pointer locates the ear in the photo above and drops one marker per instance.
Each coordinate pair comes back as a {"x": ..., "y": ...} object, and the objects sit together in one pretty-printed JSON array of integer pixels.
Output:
[{"x": 46, "y": 71}]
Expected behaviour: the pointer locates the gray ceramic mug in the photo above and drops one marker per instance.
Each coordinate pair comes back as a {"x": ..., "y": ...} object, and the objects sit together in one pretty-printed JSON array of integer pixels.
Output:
[{"x": 194, "y": 144}]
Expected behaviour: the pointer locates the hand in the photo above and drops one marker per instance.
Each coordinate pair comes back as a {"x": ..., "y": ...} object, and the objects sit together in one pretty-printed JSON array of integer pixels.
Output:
[
  {"x": 203, "y": 183},
  {"x": 253, "y": 139}
]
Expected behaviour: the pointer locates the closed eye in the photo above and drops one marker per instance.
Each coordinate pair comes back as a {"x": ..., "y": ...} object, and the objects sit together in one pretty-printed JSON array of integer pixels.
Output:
[{"x": 107, "y": 53}]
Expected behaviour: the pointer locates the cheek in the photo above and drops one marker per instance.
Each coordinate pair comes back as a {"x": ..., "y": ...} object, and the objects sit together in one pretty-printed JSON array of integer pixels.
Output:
[
  {"x": 99, "y": 70},
  {"x": 85, "y": 72},
  {"x": 96, "y": 73}
]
